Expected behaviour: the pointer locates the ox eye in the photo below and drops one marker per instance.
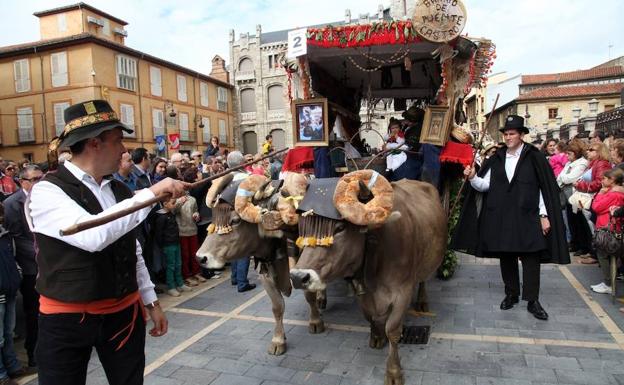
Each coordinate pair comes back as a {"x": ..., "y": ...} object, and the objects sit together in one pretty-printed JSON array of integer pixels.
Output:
[
  {"x": 236, "y": 220},
  {"x": 340, "y": 227}
]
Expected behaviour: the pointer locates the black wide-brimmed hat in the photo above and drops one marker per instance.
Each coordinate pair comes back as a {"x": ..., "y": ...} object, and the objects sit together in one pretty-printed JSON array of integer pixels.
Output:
[
  {"x": 514, "y": 122},
  {"x": 87, "y": 120},
  {"x": 414, "y": 114}
]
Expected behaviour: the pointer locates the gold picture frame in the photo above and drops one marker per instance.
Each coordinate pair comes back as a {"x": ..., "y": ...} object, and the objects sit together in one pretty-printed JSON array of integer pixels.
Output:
[
  {"x": 436, "y": 125},
  {"x": 310, "y": 122}
]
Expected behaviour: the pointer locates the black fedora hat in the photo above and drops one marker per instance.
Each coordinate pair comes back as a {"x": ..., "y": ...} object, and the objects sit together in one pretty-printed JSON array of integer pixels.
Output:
[
  {"x": 414, "y": 114},
  {"x": 514, "y": 122},
  {"x": 87, "y": 120}
]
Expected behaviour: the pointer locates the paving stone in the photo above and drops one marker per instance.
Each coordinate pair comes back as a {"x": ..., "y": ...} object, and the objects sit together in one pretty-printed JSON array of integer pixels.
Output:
[
  {"x": 584, "y": 377},
  {"x": 153, "y": 379},
  {"x": 537, "y": 361},
  {"x": 485, "y": 369},
  {"x": 231, "y": 379},
  {"x": 507, "y": 359},
  {"x": 166, "y": 369},
  {"x": 447, "y": 379},
  {"x": 313, "y": 378},
  {"x": 302, "y": 364},
  {"x": 573, "y": 351},
  {"x": 192, "y": 375},
  {"x": 191, "y": 359},
  {"x": 501, "y": 381},
  {"x": 348, "y": 370},
  {"x": 272, "y": 373},
  {"x": 531, "y": 374},
  {"x": 613, "y": 367},
  {"x": 226, "y": 365},
  {"x": 522, "y": 348}
]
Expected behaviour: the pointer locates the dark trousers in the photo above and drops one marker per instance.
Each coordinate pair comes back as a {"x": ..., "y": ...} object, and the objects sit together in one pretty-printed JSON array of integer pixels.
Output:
[
  {"x": 530, "y": 275},
  {"x": 30, "y": 299},
  {"x": 66, "y": 341},
  {"x": 579, "y": 229},
  {"x": 240, "y": 268}
]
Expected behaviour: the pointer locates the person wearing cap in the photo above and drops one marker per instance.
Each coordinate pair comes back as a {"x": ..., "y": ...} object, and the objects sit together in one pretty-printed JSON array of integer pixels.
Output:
[
  {"x": 519, "y": 218},
  {"x": 93, "y": 284}
]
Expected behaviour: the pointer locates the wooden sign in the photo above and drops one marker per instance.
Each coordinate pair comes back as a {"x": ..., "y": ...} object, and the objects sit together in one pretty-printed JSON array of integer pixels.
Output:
[{"x": 439, "y": 21}]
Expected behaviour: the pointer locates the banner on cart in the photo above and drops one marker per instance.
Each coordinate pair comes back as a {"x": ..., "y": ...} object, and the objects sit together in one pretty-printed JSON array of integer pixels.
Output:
[{"x": 297, "y": 43}]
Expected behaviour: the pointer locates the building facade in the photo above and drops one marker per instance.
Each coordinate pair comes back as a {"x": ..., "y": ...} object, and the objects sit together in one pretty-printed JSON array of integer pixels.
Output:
[{"x": 82, "y": 56}]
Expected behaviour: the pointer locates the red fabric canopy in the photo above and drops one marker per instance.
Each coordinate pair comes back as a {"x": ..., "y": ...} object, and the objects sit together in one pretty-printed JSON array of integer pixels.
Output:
[
  {"x": 299, "y": 158},
  {"x": 377, "y": 33}
]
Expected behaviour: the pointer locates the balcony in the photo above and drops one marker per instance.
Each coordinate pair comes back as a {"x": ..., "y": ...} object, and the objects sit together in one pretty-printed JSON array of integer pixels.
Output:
[
  {"x": 248, "y": 117},
  {"x": 242, "y": 76},
  {"x": 188, "y": 136},
  {"x": 25, "y": 135},
  {"x": 276, "y": 114}
]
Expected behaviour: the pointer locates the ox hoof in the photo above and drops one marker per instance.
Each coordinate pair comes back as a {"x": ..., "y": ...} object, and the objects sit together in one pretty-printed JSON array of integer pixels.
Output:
[
  {"x": 321, "y": 303},
  {"x": 394, "y": 379},
  {"x": 377, "y": 342},
  {"x": 316, "y": 327},
  {"x": 277, "y": 349}
]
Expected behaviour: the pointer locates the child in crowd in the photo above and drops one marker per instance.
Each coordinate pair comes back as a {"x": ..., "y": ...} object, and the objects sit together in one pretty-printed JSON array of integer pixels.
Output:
[
  {"x": 611, "y": 194},
  {"x": 187, "y": 216},
  {"x": 395, "y": 141},
  {"x": 560, "y": 159},
  {"x": 167, "y": 236}
]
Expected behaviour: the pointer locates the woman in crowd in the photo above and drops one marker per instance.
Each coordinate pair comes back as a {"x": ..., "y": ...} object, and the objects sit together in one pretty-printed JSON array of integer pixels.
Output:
[
  {"x": 579, "y": 236},
  {"x": 213, "y": 148},
  {"x": 548, "y": 148},
  {"x": 617, "y": 153},
  {"x": 8, "y": 181},
  {"x": 611, "y": 194},
  {"x": 591, "y": 182},
  {"x": 158, "y": 170}
]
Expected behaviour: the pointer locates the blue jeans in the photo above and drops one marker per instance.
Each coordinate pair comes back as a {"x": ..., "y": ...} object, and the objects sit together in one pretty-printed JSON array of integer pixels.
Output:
[
  {"x": 240, "y": 268},
  {"x": 9, "y": 362}
]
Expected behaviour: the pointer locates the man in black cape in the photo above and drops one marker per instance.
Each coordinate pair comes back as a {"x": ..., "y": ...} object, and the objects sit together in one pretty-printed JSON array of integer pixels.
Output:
[{"x": 513, "y": 211}]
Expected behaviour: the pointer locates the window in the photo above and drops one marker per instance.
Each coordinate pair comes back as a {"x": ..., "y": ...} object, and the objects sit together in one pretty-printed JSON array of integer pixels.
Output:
[
  {"x": 127, "y": 117},
  {"x": 245, "y": 65},
  {"x": 61, "y": 22},
  {"x": 248, "y": 100},
  {"x": 276, "y": 97},
  {"x": 158, "y": 122},
  {"x": 58, "y": 62},
  {"x": 21, "y": 73},
  {"x": 203, "y": 94},
  {"x": 181, "y": 88},
  {"x": 222, "y": 132},
  {"x": 552, "y": 113},
  {"x": 274, "y": 61},
  {"x": 126, "y": 73},
  {"x": 25, "y": 125},
  {"x": 59, "y": 117},
  {"x": 155, "y": 81},
  {"x": 222, "y": 99},
  {"x": 184, "y": 127},
  {"x": 106, "y": 27},
  {"x": 206, "y": 130}
]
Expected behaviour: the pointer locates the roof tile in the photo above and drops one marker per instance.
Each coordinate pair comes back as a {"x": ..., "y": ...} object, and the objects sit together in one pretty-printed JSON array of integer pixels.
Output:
[
  {"x": 593, "y": 73},
  {"x": 562, "y": 92}
]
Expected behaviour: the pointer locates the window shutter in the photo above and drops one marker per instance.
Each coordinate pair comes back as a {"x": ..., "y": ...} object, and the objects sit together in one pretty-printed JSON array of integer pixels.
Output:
[
  {"x": 181, "y": 88},
  {"x": 155, "y": 80},
  {"x": 158, "y": 122},
  {"x": 26, "y": 132},
  {"x": 58, "y": 62},
  {"x": 21, "y": 75},
  {"x": 59, "y": 120},
  {"x": 184, "y": 126},
  {"x": 206, "y": 130},
  {"x": 127, "y": 117},
  {"x": 222, "y": 131},
  {"x": 61, "y": 21},
  {"x": 203, "y": 92}
]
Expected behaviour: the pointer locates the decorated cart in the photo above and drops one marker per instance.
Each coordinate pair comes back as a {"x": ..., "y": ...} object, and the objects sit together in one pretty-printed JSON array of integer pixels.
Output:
[{"x": 421, "y": 64}]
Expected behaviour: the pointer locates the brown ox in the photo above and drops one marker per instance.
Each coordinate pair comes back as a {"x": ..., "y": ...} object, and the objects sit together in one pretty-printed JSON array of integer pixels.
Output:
[
  {"x": 391, "y": 258},
  {"x": 244, "y": 238}
]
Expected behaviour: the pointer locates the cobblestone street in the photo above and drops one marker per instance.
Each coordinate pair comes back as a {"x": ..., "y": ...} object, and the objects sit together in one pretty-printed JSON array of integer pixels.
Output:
[{"x": 217, "y": 336}]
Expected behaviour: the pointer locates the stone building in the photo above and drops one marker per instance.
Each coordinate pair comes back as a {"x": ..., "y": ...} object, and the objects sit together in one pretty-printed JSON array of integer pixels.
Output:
[{"x": 81, "y": 55}]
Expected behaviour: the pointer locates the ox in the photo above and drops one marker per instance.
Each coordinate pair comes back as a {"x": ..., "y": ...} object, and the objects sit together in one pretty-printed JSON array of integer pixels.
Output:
[
  {"x": 246, "y": 223},
  {"x": 391, "y": 238}
]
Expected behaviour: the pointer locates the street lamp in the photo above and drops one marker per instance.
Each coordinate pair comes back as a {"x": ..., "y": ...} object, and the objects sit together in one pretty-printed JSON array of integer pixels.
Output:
[
  {"x": 169, "y": 107},
  {"x": 576, "y": 112}
]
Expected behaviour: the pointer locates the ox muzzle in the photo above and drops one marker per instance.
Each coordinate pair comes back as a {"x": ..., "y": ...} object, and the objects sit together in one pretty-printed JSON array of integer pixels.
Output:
[
  {"x": 306, "y": 279},
  {"x": 209, "y": 261}
]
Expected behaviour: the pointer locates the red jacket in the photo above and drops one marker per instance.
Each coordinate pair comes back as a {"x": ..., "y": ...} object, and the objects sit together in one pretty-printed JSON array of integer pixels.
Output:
[
  {"x": 598, "y": 167},
  {"x": 601, "y": 204}
]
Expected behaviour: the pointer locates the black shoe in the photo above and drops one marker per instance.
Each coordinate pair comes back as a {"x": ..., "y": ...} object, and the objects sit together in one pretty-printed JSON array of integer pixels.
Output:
[
  {"x": 509, "y": 302},
  {"x": 32, "y": 362},
  {"x": 537, "y": 310},
  {"x": 249, "y": 286}
]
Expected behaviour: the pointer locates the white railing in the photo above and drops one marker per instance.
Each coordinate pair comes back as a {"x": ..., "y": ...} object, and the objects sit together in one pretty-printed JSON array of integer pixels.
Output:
[
  {"x": 248, "y": 116},
  {"x": 276, "y": 115},
  {"x": 245, "y": 75}
]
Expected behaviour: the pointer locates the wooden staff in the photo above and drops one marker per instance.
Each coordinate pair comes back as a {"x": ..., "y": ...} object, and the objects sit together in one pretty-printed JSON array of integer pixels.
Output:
[
  {"x": 78, "y": 227},
  {"x": 474, "y": 155}
]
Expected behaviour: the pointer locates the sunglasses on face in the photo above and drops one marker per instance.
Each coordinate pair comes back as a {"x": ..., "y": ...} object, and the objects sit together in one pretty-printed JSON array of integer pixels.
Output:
[
  {"x": 10, "y": 168},
  {"x": 33, "y": 179}
]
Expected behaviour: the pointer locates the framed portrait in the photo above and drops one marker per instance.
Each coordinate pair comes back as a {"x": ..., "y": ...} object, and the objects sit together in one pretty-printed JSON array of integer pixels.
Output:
[
  {"x": 436, "y": 125},
  {"x": 310, "y": 122}
]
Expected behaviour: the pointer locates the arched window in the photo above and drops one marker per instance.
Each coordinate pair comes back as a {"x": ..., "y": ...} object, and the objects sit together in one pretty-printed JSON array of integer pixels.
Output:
[
  {"x": 279, "y": 138},
  {"x": 276, "y": 97},
  {"x": 248, "y": 100},
  {"x": 245, "y": 65},
  {"x": 250, "y": 142}
]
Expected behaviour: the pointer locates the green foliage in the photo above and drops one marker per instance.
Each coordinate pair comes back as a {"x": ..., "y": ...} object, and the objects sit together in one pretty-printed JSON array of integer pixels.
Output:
[{"x": 449, "y": 264}]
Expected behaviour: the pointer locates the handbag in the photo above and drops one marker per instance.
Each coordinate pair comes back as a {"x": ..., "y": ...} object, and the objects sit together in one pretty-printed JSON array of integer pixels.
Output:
[
  {"x": 609, "y": 239},
  {"x": 580, "y": 200}
]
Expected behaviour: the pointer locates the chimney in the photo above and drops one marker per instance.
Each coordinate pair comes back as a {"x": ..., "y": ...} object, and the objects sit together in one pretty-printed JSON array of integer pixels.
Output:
[
  {"x": 380, "y": 11},
  {"x": 347, "y": 16},
  {"x": 218, "y": 69}
]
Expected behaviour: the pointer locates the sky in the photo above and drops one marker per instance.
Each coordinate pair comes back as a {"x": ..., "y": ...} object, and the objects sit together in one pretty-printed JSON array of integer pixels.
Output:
[{"x": 532, "y": 36}]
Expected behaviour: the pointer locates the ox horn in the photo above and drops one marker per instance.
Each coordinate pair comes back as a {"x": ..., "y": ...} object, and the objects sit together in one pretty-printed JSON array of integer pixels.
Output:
[
  {"x": 263, "y": 190},
  {"x": 365, "y": 195}
]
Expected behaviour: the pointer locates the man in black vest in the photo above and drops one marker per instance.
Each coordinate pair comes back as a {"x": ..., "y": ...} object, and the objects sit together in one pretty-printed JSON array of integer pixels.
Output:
[
  {"x": 93, "y": 284},
  {"x": 519, "y": 216}
]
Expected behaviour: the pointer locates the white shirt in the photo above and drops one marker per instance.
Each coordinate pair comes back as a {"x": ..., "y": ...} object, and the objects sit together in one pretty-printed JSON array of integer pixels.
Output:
[
  {"x": 511, "y": 161},
  {"x": 51, "y": 210}
]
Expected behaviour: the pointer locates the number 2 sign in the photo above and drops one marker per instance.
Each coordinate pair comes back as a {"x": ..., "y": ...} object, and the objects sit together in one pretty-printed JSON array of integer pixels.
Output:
[{"x": 297, "y": 43}]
